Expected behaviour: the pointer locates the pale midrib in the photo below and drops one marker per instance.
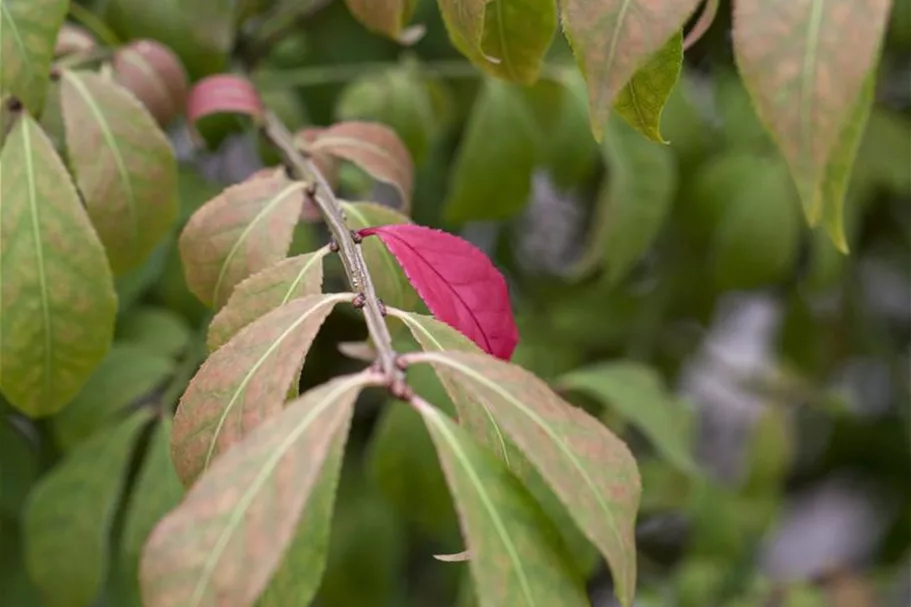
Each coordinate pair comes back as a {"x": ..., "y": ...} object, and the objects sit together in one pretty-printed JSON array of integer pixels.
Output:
[
  {"x": 615, "y": 39},
  {"x": 115, "y": 151},
  {"x": 315, "y": 257},
  {"x": 265, "y": 472},
  {"x": 635, "y": 102},
  {"x": 262, "y": 359},
  {"x": 17, "y": 36},
  {"x": 808, "y": 83},
  {"x": 429, "y": 356},
  {"x": 297, "y": 185},
  {"x": 39, "y": 253},
  {"x": 507, "y": 60},
  {"x": 416, "y": 326},
  {"x": 488, "y": 505}
]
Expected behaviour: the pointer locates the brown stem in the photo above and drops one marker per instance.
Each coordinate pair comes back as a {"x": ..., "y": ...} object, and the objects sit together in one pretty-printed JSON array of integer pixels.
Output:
[{"x": 352, "y": 258}]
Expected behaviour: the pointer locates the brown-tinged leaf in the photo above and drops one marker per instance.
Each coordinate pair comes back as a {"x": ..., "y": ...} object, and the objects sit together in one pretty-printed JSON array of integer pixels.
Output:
[
  {"x": 245, "y": 381},
  {"x": 223, "y": 94},
  {"x": 72, "y": 38},
  {"x": 386, "y": 17},
  {"x": 223, "y": 543},
  {"x": 30, "y": 30},
  {"x": 154, "y": 73},
  {"x": 373, "y": 147},
  {"x": 516, "y": 556},
  {"x": 325, "y": 162},
  {"x": 272, "y": 288},
  {"x": 123, "y": 164},
  {"x": 591, "y": 470},
  {"x": 804, "y": 64},
  {"x": 57, "y": 300},
  {"x": 240, "y": 232},
  {"x": 612, "y": 39}
]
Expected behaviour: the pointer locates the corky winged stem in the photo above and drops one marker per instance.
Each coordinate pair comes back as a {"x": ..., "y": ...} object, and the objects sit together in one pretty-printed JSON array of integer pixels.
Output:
[{"x": 352, "y": 259}]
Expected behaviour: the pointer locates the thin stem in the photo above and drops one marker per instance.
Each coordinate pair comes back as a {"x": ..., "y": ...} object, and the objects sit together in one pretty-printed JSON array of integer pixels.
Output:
[
  {"x": 352, "y": 258},
  {"x": 91, "y": 22}
]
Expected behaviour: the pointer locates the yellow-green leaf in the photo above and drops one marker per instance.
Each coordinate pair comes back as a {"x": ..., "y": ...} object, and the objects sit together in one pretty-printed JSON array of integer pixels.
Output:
[
  {"x": 29, "y": 33},
  {"x": 57, "y": 301},
  {"x": 123, "y": 164},
  {"x": 386, "y": 17}
]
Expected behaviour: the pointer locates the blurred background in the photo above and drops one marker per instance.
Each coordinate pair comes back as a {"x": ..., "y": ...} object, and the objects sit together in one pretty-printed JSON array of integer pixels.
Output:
[{"x": 760, "y": 377}]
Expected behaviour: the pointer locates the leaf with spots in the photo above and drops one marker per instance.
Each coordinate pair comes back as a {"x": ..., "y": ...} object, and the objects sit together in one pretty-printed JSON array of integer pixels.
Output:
[
  {"x": 641, "y": 102},
  {"x": 123, "y": 164},
  {"x": 245, "y": 382},
  {"x": 240, "y": 232},
  {"x": 513, "y": 40},
  {"x": 805, "y": 64},
  {"x": 224, "y": 542},
  {"x": 613, "y": 39},
  {"x": 30, "y": 29},
  {"x": 516, "y": 555},
  {"x": 590, "y": 470},
  {"x": 57, "y": 300},
  {"x": 272, "y": 288},
  {"x": 385, "y": 17},
  {"x": 69, "y": 514},
  {"x": 374, "y": 148}
]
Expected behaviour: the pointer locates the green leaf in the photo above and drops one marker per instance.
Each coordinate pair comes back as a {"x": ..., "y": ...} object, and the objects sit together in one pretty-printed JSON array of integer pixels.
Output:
[
  {"x": 516, "y": 557},
  {"x": 18, "y": 468},
  {"x": 128, "y": 373},
  {"x": 815, "y": 108},
  {"x": 493, "y": 166},
  {"x": 157, "y": 490},
  {"x": 591, "y": 471},
  {"x": 884, "y": 157},
  {"x": 69, "y": 514},
  {"x": 226, "y": 539},
  {"x": 201, "y": 33},
  {"x": 158, "y": 330},
  {"x": 388, "y": 278},
  {"x": 57, "y": 301},
  {"x": 245, "y": 381},
  {"x": 260, "y": 293},
  {"x": 638, "y": 394},
  {"x": 634, "y": 201},
  {"x": 641, "y": 102},
  {"x": 132, "y": 285},
  {"x": 240, "y": 232},
  {"x": 123, "y": 164},
  {"x": 385, "y": 17},
  {"x": 614, "y": 39},
  {"x": 27, "y": 46}
]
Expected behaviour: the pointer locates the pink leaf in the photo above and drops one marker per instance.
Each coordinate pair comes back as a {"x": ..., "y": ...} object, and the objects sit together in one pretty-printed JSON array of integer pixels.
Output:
[
  {"x": 457, "y": 282},
  {"x": 222, "y": 94}
]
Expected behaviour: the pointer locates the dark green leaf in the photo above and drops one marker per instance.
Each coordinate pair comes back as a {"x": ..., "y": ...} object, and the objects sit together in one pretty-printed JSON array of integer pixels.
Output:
[
  {"x": 29, "y": 34},
  {"x": 491, "y": 178},
  {"x": 128, "y": 373},
  {"x": 57, "y": 301},
  {"x": 158, "y": 330},
  {"x": 516, "y": 557},
  {"x": 638, "y": 394},
  {"x": 69, "y": 513},
  {"x": 18, "y": 468}
]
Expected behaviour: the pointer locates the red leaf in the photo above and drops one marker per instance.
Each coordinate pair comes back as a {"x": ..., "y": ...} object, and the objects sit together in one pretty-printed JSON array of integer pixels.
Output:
[
  {"x": 222, "y": 94},
  {"x": 457, "y": 282}
]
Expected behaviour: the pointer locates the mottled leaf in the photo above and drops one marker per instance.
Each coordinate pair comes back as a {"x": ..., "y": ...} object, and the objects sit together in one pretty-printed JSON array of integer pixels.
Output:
[
  {"x": 804, "y": 64},
  {"x": 57, "y": 301},
  {"x": 373, "y": 147},
  {"x": 613, "y": 39},
  {"x": 158, "y": 330},
  {"x": 226, "y": 539},
  {"x": 492, "y": 174},
  {"x": 123, "y": 164},
  {"x": 634, "y": 201},
  {"x": 240, "y": 232},
  {"x": 458, "y": 283},
  {"x": 388, "y": 278},
  {"x": 156, "y": 491},
  {"x": 69, "y": 514},
  {"x": 386, "y": 17},
  {"x": 30, "y": 30},
  {"x": 264, "y": 291},
  {"x": 155, "y": 75},
  {"x": 128, "y": 373},
  {"x": 590, "y": 470},
  {"x": 641, "y": 102},
  {"x": 245, "y": 381},
  {"x": 516, "y": 557},
  {"x": 637, "y": 393}
]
